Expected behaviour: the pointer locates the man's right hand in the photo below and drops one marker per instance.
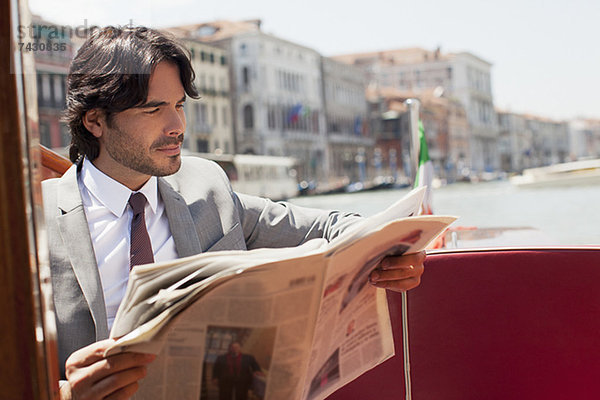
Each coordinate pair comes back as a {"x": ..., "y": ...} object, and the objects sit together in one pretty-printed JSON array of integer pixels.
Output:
[{"x": 92, "y": 376}]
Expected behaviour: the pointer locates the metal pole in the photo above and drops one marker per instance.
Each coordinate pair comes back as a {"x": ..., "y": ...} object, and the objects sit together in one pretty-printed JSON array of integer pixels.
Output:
[
  {"x": 415, "y": 146},
  {"x": 414, "y": 106}
]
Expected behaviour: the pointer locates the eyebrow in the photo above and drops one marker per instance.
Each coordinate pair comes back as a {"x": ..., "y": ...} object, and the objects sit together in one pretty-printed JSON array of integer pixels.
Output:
[{"x": 158, "y": 103}]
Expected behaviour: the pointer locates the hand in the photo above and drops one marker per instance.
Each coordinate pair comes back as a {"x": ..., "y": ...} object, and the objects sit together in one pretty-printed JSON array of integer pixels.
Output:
[
  {"x": 91, "y": 376},
  {"x": 399, "y": 273}
]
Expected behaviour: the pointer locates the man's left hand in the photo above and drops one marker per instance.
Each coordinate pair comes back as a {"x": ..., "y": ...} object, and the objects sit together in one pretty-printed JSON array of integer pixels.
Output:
[{"x": 399, "y": 273}]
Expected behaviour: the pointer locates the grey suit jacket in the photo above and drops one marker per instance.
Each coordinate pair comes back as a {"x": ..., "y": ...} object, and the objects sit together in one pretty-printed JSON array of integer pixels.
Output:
[{"x": 204, "y": 215}]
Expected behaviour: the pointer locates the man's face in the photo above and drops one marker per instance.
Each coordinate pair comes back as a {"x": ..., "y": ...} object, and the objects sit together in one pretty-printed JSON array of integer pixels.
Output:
[
  {"x": 235, "y": 348},
  {"x": 146, "y": 140}
]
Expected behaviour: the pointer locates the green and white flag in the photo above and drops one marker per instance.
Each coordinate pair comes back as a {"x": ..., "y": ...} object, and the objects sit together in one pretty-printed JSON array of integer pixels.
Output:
[{"x": 424, "y": 172}]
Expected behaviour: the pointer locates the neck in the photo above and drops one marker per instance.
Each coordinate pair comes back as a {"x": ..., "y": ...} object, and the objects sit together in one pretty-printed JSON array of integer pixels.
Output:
[{"x": 126, "y": 176}]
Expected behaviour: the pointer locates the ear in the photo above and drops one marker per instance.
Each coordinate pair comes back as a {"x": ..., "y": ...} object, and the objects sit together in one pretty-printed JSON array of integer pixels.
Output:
[{"x": 94, "y": 121}]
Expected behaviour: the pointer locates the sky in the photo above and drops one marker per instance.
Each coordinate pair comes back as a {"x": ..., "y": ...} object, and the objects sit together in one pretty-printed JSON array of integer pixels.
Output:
[{"x": 545, "y": 54}]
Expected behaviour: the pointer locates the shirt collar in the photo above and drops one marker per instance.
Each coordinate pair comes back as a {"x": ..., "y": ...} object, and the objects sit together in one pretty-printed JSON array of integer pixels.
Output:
[{"x": 112, "y": 194}]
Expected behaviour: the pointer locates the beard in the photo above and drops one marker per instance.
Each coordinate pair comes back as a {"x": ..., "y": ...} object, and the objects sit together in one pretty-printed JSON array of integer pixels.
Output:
[{"x": 123, "y": 149}]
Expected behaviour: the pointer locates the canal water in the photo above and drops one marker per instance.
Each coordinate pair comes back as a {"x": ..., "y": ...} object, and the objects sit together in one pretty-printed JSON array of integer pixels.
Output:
[{"x": 568, "y": 215}]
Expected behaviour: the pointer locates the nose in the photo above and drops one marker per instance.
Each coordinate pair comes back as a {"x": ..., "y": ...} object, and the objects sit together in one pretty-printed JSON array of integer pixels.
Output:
[{"x": 175, "y": 124}]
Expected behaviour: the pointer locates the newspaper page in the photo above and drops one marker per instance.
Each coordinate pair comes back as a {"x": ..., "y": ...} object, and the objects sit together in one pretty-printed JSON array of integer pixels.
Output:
[
  {"x": 159, "y": 291},
  {"x": 353, "y": 331},
  {"x": 263, "y": 320}
]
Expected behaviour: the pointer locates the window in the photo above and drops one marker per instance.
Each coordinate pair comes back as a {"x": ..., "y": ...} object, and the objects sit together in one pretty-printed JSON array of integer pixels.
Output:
[
  {"x": 206, "y": 30},
  {"x": 46, "y": 88},
  {"x": 197, "y": 115},
  {"x": 248, "y": 117},
  {"x": 65, "y": 136},
  {"x": 45, "y": 137},
  {"x": 202, "y": 145},
  {"x": 225, "y": 116},
  {"x": 245, "y": 76},
  {"x": 271, "y": 117},
  {"x": 59, "y": 96}
]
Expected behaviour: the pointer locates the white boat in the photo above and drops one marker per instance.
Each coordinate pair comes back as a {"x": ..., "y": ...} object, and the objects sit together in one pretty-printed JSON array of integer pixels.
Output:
[
  {"x": 264, "y": 176},
  {"x": 570, "y": 173}
]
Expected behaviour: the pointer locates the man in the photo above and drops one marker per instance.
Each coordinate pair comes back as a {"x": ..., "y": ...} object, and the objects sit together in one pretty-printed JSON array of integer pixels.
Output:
[
  {"x": 233, "y": 372},
  {"x": 125, "y": 99}
]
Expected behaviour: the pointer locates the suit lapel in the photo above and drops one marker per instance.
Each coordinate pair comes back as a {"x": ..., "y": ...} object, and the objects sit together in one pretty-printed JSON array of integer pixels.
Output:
[
  {"x": 75, "y": 233},
  {"x": 188, "y": 241}
]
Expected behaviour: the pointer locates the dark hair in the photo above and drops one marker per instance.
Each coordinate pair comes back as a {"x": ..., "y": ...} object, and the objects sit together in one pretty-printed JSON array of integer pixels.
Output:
[{"x": 111, "y": 72}]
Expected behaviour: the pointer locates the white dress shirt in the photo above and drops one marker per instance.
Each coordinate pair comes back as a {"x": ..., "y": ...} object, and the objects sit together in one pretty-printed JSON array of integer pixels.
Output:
[{"x": 109, "y": 215}]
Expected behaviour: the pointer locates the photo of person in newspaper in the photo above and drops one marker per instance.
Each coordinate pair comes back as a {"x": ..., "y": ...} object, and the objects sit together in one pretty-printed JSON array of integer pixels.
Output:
[
  {"x": 233, "y": 373},
  {"x": 240, "y": 372}
]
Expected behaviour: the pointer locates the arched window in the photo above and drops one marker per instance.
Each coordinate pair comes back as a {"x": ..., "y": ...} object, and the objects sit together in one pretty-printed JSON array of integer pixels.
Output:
[
  {"x": 246, "y": 76},
  {"x": 248, "y": 117}
]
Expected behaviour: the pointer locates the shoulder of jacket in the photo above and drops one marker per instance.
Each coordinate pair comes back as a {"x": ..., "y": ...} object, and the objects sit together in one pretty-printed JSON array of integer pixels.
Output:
[{"x": 198, "y": 162}]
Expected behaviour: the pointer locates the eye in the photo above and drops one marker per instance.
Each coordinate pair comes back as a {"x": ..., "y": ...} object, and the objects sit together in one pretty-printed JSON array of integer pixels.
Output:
[
  {"x": 152, "y": 111},
  {"x": 179, "y": 106}
]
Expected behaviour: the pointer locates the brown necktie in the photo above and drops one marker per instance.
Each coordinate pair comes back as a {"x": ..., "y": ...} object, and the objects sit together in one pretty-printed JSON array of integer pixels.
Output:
[{"x": 140, "y": 251}]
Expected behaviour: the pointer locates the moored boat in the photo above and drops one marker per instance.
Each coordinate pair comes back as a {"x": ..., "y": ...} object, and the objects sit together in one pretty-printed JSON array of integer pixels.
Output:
[{"x": 570, "y": 173}]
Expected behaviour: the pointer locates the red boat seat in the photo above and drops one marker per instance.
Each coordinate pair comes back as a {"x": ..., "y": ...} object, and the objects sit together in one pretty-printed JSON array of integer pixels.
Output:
[{"x": 513, "y": 324}]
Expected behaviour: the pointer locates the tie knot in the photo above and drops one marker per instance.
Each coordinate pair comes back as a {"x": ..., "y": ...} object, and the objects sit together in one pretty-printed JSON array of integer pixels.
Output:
[{"x": 137, "y": 201}]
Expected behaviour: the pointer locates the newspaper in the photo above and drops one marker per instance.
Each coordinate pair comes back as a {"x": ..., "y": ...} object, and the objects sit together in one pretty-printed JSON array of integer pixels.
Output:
[{"x": 291, "y": 323}]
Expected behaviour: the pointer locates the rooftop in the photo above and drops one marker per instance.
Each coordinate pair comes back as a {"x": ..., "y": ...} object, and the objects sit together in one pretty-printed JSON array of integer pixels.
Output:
[
  {"x": 216, "y": 30},
  {"x": 411, "y": 55}
]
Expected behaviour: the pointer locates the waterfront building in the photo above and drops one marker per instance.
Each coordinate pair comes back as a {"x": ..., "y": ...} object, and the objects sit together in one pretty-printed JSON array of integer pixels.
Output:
[
  {"x": 584, "y": 137},
  {"x": 350, "y": 143},
  {"x": 459, "y": 76},
  {"x": 276, "y": 92},
  {"x": 209, "y": 121},
  {"x": 444, "y": 121},
  {"x": 528, "y": 141},
  {"x": 52, "y": 50}
]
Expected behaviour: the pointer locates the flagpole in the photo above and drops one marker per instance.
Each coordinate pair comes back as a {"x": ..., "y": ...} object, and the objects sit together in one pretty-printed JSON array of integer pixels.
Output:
[
  {"x": 413, "y": 109},
  {"x": 414, "y": 106}
]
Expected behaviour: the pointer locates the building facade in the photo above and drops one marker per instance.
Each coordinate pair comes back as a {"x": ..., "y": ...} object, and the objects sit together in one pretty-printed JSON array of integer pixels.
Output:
[
  {"x": 584, "y": 138},
  {"x": 52, "y": 55},
  {"x": 288, "y": 100},
  {"x": 444, "y": 121},
  {"x": 461, "y": 76},
  {"x": 350, "y": 143},
  {"x": 528, "y": 141},
  {"x": 209, "y": 119},
  {"x": 276, "y": 94}
]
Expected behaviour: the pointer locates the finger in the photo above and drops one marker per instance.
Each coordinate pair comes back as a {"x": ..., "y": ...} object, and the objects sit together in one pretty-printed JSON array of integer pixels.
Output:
[
  {"x": 405, "y": 261},
  {"x": 83, "y": 380},
  {"x": 119, "y": 362},
  {"x": 124, "y": 393},
  {"x": 395, "y": 274},
  {"x": 89, "y": 354},
  {"x": 120, "y": 384},
  {"x": 399, "y": 285}
]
